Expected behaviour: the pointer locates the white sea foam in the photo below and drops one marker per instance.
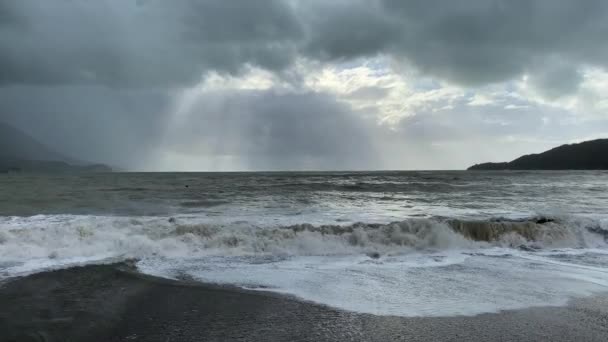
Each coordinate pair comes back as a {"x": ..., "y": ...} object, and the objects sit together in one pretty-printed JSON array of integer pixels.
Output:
[
  {"x": 68, "y": 236},
  {"x": 441, "y": 284},
  {"x": 416, "y": 267},
  {"x": 59, "y": 237}
]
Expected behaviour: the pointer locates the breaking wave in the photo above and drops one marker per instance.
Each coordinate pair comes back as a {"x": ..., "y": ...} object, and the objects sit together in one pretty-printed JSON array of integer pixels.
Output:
[
  {"x": 69, "y": 236},
  {"x": 414, "y": 267}
]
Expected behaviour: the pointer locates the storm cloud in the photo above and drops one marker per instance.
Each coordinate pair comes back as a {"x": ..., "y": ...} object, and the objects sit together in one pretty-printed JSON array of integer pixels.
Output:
[
  {"x": 163, "y": 43},
  {"x": 100, "y": 79}
]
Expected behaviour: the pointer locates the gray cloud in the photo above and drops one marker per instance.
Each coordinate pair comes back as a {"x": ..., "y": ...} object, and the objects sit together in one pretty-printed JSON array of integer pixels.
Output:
[
  {"x": 97, "y": 124},
  {"x": 254, "y": 129},
  {"x": 264, "y": 129},
  {"x": 95, "y": 79},
  {"x": 556, "y": 78},
  {"x": 166, "y": 43},
  {"x": 482, "y": 41},
  {"x": 153, "y": 43},
  {"x": 345, "y": 29},
  {"x": 465, "y": 135}
]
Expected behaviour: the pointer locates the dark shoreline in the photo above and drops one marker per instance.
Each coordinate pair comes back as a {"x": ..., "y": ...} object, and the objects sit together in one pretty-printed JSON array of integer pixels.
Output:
[{"x": 114, "y": 303}]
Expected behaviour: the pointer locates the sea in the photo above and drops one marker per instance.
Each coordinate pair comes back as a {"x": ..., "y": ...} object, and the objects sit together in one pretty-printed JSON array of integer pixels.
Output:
[{"x": 411, "y": 244}]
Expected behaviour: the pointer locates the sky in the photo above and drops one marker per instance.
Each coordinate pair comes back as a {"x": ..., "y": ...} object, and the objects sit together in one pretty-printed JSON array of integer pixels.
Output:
[{"x": 216, "y": 85}]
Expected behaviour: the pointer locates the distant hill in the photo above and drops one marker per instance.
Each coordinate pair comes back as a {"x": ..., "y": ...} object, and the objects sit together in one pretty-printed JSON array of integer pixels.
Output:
[
  {"x": 16, "y": 144},
  {"x": 588, "y": 155},
  {"x": 21, "y": 153}
]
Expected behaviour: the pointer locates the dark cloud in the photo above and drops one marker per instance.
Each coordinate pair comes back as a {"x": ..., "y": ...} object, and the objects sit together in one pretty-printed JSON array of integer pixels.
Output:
[
  {"x": 150, "y": 43},
  {"x": 153, "y": 43},
  {"x": 8, "y": 17},
  {"x": 482, "y": 41},
  {"x": 555, "y": 79},
  {"x": 345, "y": 29}
]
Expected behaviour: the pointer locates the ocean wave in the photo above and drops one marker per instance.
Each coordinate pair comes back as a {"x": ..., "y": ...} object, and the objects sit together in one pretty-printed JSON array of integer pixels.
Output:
[
  {"x": 369, "y": 186},
  {"x": 203, "y": 203},
  {"x": 413, "y": 267},
  {"x": 68, "y": 236}
]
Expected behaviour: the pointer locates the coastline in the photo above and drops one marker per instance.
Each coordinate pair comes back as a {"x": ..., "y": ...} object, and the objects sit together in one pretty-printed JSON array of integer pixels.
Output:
[{"x": 115, "y": 303}]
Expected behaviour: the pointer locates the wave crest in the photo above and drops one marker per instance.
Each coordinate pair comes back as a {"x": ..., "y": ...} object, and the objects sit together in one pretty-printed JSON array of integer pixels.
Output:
[{"x": 76, "y": 236}]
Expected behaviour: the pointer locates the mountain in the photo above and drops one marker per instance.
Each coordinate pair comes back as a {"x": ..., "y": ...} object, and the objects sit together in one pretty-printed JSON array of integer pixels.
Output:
[
  {"x": 588, "y": 155},
  {"x": 19, "y": 152},
  {"x": 16, "y": 144}
]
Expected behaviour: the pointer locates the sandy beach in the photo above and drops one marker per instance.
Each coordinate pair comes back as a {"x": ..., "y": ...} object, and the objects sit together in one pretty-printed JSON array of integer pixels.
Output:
[{"x": 114, "y": 303}]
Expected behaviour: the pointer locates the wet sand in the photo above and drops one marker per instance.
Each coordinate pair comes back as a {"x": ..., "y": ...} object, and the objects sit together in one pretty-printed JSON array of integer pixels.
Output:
[{"x": 114, "y": 303}]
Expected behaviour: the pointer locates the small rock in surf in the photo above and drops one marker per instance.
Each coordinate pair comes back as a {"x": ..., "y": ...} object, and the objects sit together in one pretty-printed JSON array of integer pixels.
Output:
[{"x": 374, "y": 255}]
